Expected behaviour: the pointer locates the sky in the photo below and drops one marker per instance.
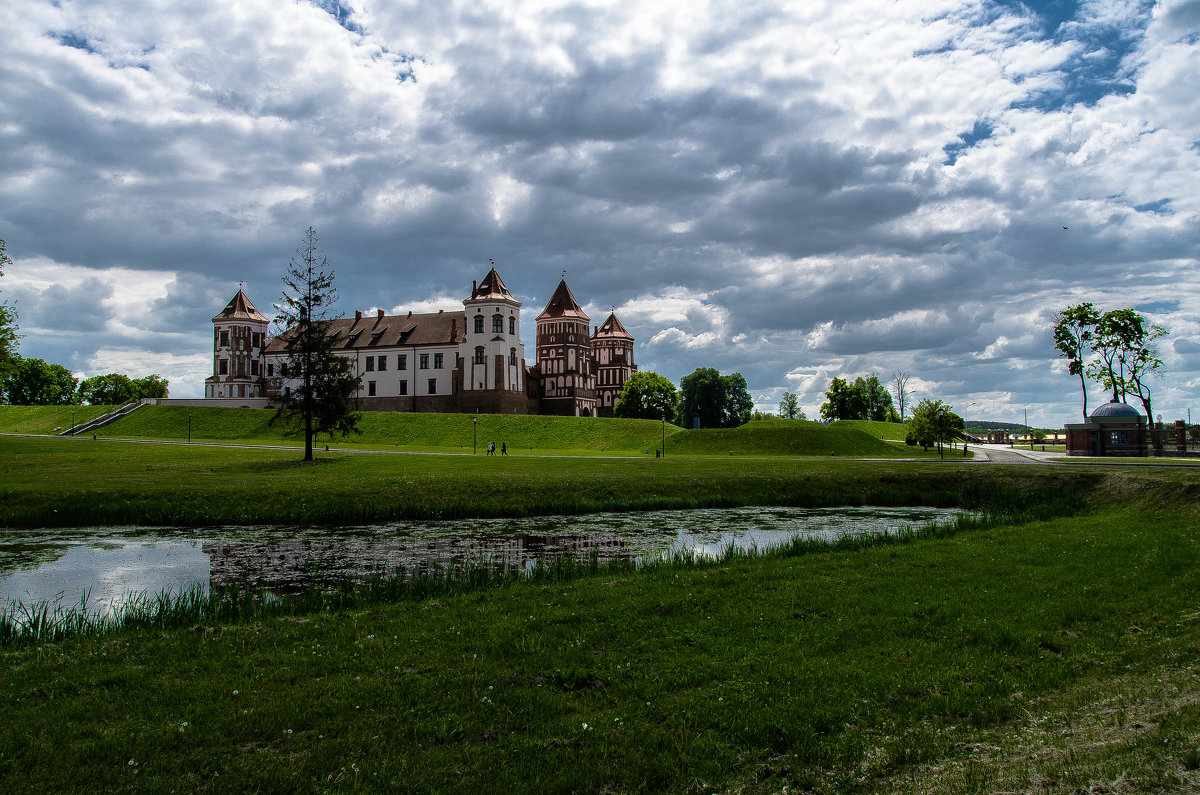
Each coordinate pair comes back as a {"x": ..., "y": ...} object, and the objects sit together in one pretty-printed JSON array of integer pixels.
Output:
[{"x": 793, "y": 191}]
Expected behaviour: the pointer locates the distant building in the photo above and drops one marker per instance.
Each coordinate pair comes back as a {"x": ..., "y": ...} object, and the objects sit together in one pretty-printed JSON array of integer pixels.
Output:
[
  {"x": 1114, "y": 429},
  {"x": 466, "y": 361}
]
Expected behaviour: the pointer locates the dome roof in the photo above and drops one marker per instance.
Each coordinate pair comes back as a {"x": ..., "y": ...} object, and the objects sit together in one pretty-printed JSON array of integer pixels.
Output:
[{"x": 1115, "y": 408}]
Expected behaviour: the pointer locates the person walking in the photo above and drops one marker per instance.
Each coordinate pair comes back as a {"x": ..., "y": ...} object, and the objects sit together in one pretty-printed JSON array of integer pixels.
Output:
[
  {"x": 503, "y": 448},
  {"x": 491, "y": 448}
]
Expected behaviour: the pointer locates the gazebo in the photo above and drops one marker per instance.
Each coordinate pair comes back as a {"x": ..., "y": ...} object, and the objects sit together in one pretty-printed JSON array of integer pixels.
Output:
[{"x": 1114, "y": 429}]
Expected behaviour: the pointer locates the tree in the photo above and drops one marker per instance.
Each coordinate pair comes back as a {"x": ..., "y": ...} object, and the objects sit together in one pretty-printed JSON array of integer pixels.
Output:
[
  {"x": 33, "y": 382},
  {"x": 738, "y": 403},
  {"x": 934, "y": 423},
  {"x": 878, "y": 399},
  {"x": 323, "y": 398},
  {"x": 844, "y": 401},
  {"x": 152, "y": 386},
  {"x": 1142, "y": 363},
  {"x": 718, "y": 401},
  {"x": 900, "y": 390},
  {"x": 789, "y": 407},
  {"x": 110, "y": 389},
  {"x": 1074, "y": 329},
  {"x": 647, "y": 395},
  {"x": 8, "y": 322}
]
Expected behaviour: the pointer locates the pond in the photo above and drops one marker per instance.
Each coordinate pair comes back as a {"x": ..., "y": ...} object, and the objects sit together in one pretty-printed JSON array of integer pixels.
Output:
[{"x": 112, "y": 563}]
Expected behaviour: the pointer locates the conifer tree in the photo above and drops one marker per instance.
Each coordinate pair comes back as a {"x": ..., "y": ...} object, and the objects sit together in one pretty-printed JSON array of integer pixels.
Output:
[{"x": 321, "y": 385}]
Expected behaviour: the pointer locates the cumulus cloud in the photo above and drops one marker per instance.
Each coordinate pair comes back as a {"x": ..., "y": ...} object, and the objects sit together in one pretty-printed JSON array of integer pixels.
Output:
[{"x": 795, "y": 193}]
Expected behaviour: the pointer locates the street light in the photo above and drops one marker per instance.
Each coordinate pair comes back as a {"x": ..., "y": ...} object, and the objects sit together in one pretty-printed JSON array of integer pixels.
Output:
[
  {"x": 475, "y": 434},
  {"x": 664, "y": 445},
  {"x": 189, "y": 426},
  {"x": 73, "y": 420}
]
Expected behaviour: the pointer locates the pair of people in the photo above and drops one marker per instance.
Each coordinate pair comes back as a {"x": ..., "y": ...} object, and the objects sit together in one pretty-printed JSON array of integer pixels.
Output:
[{"x": 491, "y": 449}]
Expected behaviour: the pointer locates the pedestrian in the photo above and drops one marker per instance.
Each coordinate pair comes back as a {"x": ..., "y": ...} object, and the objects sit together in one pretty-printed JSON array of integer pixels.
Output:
[
  {"x": 503, "y": 448},
  {"x": 491, "y": 448}
]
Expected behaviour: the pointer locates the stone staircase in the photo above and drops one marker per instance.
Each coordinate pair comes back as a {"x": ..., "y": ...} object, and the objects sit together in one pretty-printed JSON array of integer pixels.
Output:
[{"x": 101, "y": 421}]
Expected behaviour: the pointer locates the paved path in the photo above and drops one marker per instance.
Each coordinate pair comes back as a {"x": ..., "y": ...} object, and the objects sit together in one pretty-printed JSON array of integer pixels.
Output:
[{"x": 1002, "y": 454}]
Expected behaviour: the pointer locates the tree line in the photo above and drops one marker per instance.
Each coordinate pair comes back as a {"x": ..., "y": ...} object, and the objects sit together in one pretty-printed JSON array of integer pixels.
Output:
[{"x": 36, "y": 382}]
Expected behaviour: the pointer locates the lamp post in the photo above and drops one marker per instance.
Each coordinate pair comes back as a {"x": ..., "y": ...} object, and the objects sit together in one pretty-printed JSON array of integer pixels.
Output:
[
  {"x": 189, "y": 426},
  {"x": 664, "y": 445},
  {"x": 73, "y": 420},
  {"x": 475, "y": 434}
]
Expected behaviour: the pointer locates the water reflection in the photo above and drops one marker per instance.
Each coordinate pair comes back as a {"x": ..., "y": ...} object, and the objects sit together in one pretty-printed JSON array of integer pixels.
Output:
[{"x": 111, "y": 563}]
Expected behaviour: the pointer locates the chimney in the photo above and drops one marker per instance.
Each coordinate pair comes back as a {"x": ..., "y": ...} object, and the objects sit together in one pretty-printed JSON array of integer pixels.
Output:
[
  {"x": 474, "y": 287},
  {"x": 357, "y": 315},
  {"x": 453, "y": 329},
  {"x": 410, "y": 313},
  {"x": 597, "y": 331},
  {"x": 381, "y": 314},
  {"x": 439, "y": 311}
]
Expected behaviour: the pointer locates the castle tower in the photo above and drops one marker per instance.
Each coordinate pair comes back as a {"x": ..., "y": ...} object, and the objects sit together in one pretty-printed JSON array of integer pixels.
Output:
[
  {"x": 612, "y": 352},
  {"x": 564, "y": 353},
  {"x": 239, "y": 337},
  {"x": 492, "y": 352}
]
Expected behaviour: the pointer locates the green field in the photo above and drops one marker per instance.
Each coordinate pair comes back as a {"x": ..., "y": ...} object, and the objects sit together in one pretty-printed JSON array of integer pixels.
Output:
[
  {"x": 523, "y": 435},
  {"x": 72, "y": 482},
  {"x": 1051, "y": 655},
  {"x": 47, "y": 419}
]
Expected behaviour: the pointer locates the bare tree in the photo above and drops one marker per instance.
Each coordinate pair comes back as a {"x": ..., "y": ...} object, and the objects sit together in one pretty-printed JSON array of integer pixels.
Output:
[{"x": 900, "y": 390}]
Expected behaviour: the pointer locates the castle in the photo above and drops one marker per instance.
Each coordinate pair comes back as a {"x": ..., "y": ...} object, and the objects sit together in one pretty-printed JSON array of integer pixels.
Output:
[{"x": 469, "y": 361}]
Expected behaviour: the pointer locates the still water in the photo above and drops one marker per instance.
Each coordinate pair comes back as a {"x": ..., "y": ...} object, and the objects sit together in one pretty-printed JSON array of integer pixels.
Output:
[{"x": 112, "y": 563}]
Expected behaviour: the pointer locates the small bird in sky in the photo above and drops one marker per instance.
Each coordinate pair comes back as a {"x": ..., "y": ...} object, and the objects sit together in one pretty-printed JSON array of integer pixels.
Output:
[{"x": 1064, "y": 227}]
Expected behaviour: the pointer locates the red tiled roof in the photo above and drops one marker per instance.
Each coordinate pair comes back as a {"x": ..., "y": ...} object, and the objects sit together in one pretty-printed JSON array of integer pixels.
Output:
[
  {"x": 382, "y": 331},
  {"x": 612, "y": 328},
  {"x": 563, "y": 304},
  {"x": 492, "y": 286},
  {"x": 240, "y": 308}
]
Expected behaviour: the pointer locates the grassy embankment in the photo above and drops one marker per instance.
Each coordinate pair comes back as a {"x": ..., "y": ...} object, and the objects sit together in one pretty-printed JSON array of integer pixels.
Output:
[
  {"x": 73, "y": 482},
  {"x": 523, "y": 435},
  {"x": 47, "y": 419},
  {"x": 1055, "y": 655}
]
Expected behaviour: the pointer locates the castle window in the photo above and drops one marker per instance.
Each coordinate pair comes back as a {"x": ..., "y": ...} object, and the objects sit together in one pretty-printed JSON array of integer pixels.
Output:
[
  {"x": 224, "y": 343},
  {"x": 497, "y": 324},
  {"x": 512, "y": 325},
  {"x": 512, "y": 356},
  {"x": 402, "y": 362},
  {"x": 479, "y": 355},
  {"x": 371, "y": 389},
  {"x": 256, "y": 339},
  {"x": 424, "y": 361},
  {"x": 382, "y": 363},
  {"x": 479, "y": 324},
  {"x": 283, "y": 369},
  {"x": 270, "y": 370},
  {"x": 254, "y": 367},
  {"x": 370, "y": 364},
  {"x": 222, "y": 367},
  {"x": 403, "y": 387},
  {"x": 437, "y": 361},
  {"x": 433, "y": 386}
]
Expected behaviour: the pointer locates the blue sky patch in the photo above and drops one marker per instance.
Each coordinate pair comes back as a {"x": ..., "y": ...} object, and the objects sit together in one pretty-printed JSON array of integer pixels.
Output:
[
  {"x": 75, "y": 41},
  {"x": 341, "y": 12},
  {"x": 980, "y": 132}
]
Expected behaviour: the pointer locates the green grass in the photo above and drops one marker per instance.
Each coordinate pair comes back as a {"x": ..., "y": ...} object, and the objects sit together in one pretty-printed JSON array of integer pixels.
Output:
[
  {"x": 890, "y": 431},
  {"x": 1055, "y": 655},
  {"x": 74, "y": 482},
  {"x": 46, "y": 419},
  {"x": 523, "y": 434}
]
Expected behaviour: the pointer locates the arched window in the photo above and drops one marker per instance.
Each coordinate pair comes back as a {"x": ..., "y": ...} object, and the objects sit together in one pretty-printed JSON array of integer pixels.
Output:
[
  {"x": 497, "y": 324},
  {"x": 479, "y": 324},
  {"x": 512, "y": 325},
  {"x": 512, "y": 356},
  {"x": 479, "y": 355}
]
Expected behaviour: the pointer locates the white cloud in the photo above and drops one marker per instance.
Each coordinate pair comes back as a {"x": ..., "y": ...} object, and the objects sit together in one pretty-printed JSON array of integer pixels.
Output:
[{"x": 759, "y": 187}]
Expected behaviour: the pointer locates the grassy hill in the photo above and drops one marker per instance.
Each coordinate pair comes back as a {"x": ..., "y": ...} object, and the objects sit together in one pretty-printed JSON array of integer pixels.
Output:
[
  {"x": 456, "y": 432},
  {"x": 46, "y": 419},
  {"x": 890, "y": 431},
  {"x": 788, "y": 438}
]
